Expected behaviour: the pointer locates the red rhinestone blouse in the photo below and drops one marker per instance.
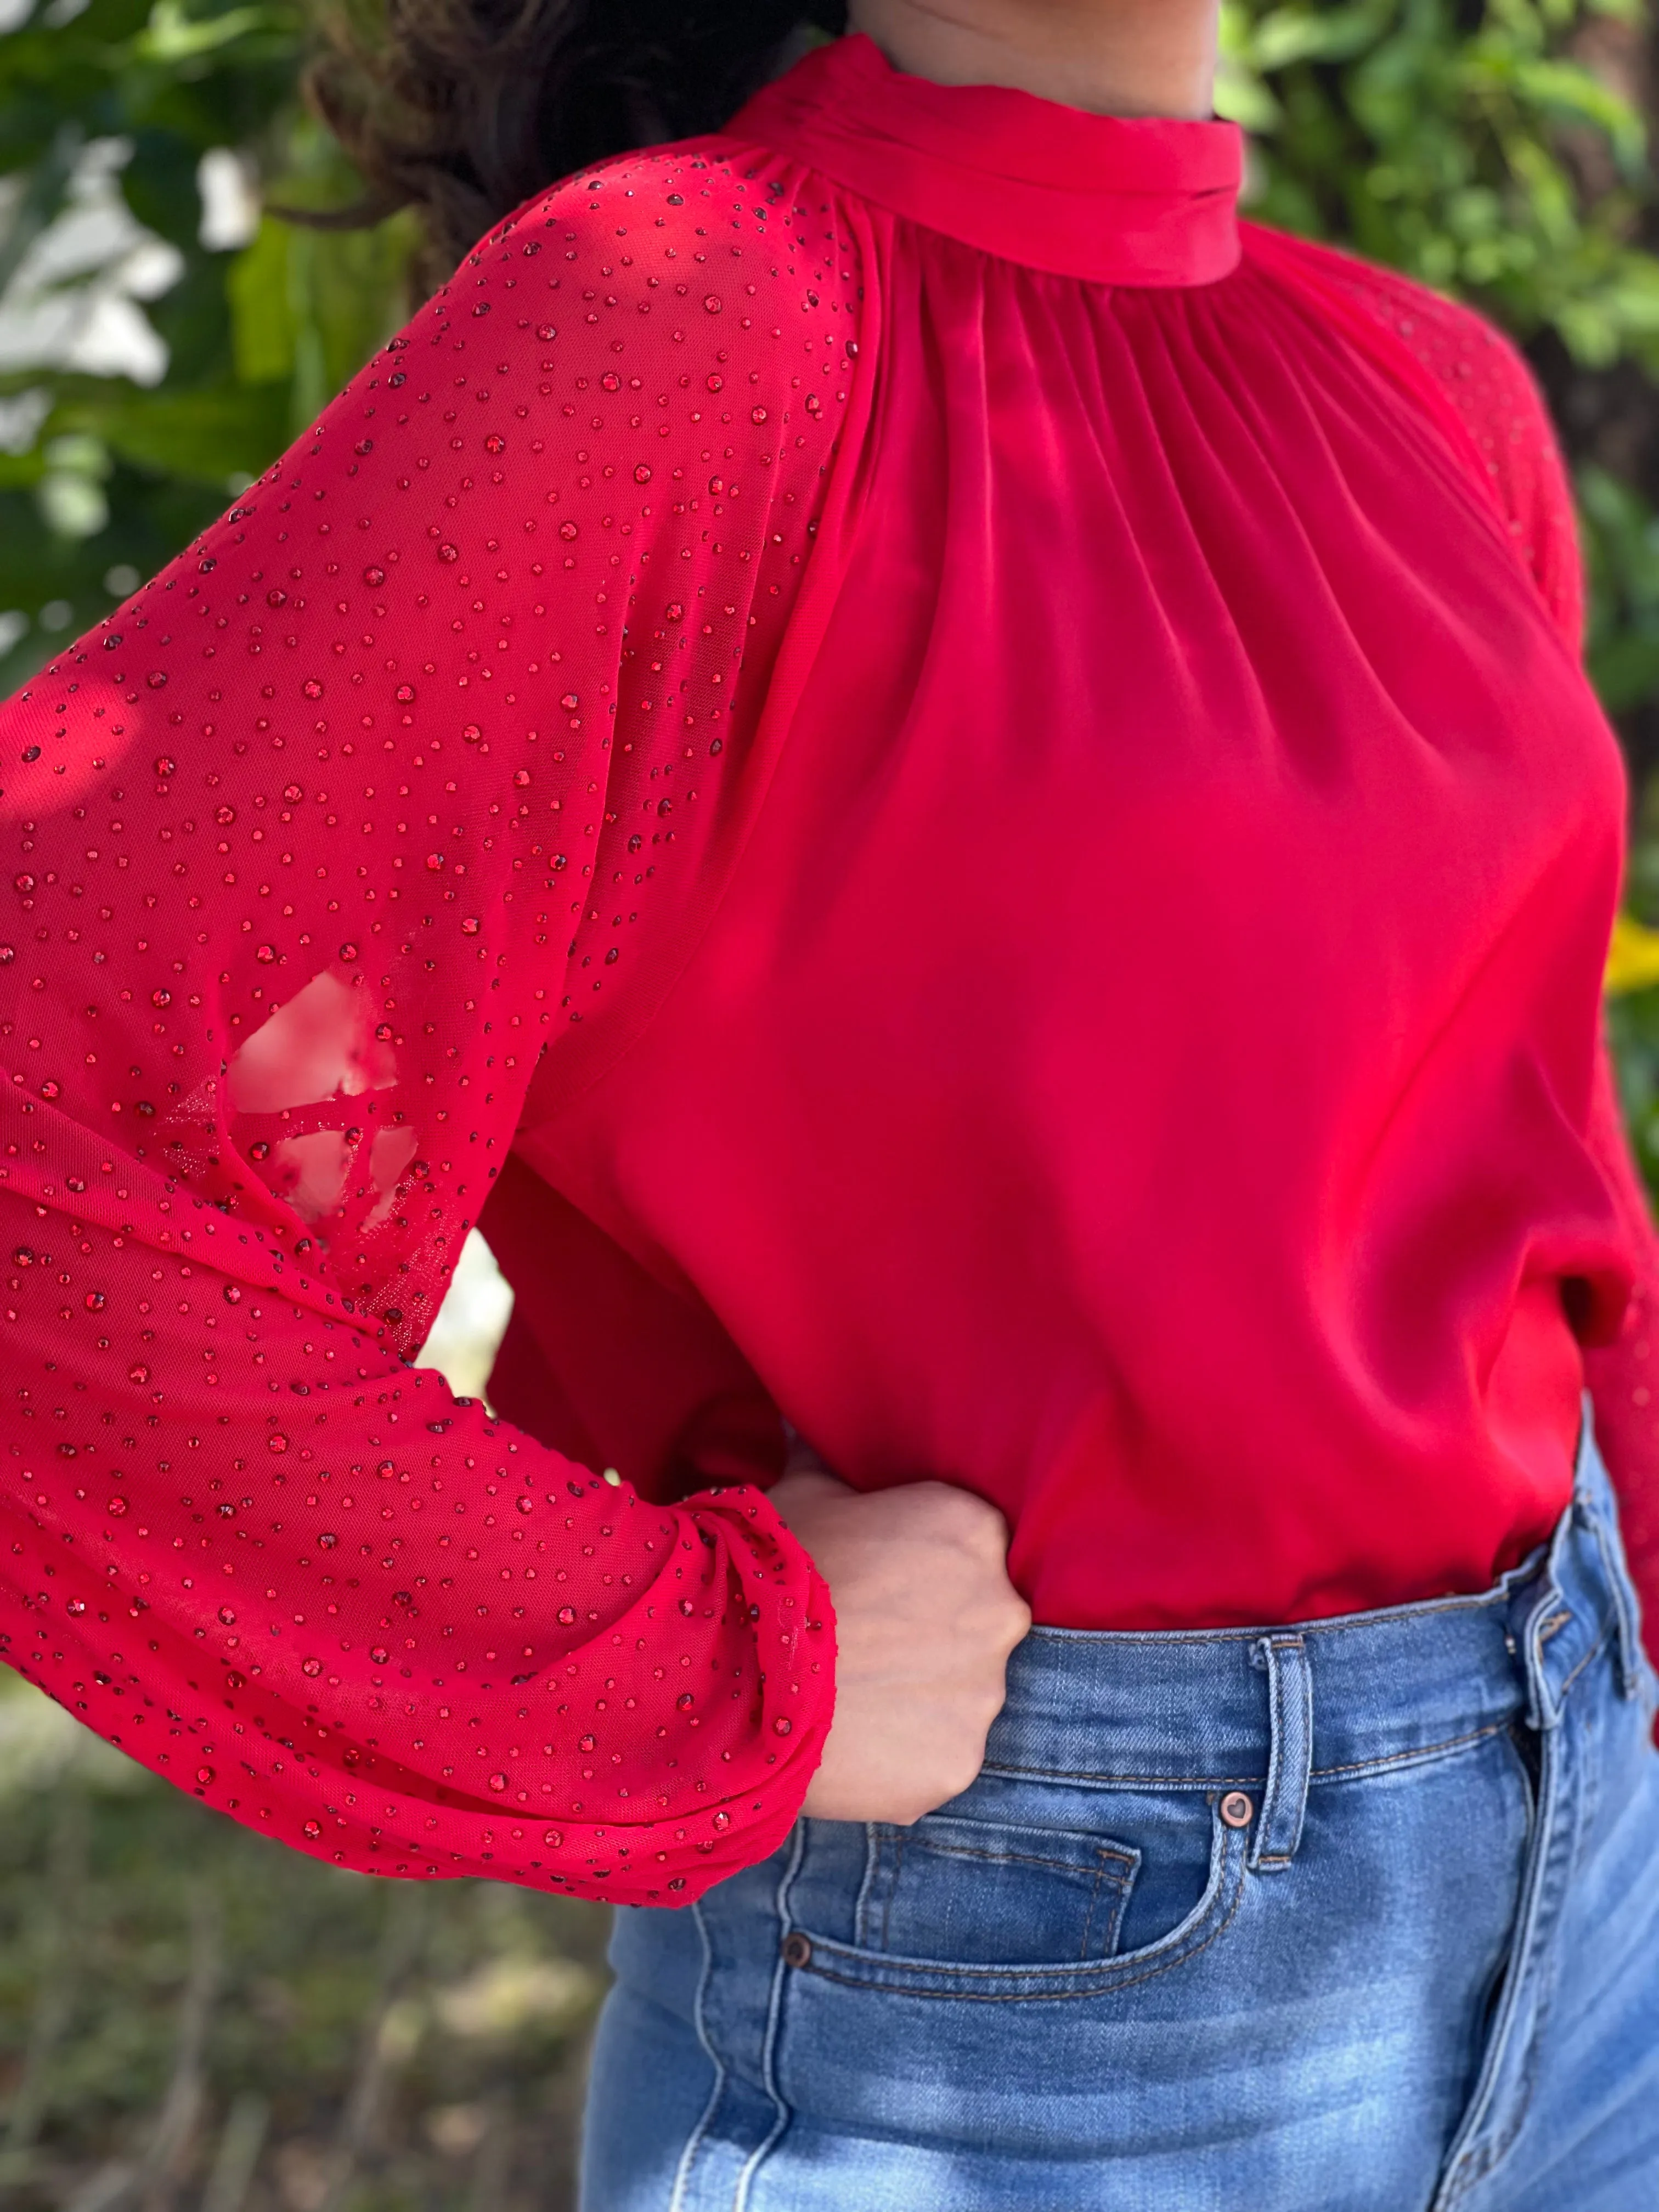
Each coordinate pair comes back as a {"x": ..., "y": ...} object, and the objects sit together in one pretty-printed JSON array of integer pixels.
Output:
[{"x": 955, "y": 794}]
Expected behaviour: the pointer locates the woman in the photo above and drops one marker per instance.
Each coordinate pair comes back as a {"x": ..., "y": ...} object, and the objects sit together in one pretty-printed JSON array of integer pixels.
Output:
[{"x": 955, "y": 794}]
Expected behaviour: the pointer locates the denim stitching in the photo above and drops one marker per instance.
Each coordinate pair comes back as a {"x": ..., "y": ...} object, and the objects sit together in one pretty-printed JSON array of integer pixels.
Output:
[
  {"x": 1483, "y": 2157},
  {"x": 1624, "y": 1603},
  {"x": 774, "y": 2006},
  {"x": 1104, "y": 1985},
  {"x": 1168, "y": 1638},
  {"x": 683, "y": 2173},
  {"x": 926, "y": 1833},
  {"x": 861, "y": 1903},
  {"x": 1029, "y": 1858},
  {"x": 1430, "y": 1751},
  {"x": 1115, "y": 1877},
  {"x": 1089, "y": 1917},
  {"x": 896, "y": 1844},
  {"x": 1542, "y": 1959},
  {"x": 1595, "y": 1652},
  {"x": 1280, "y": 1691},
  {"x": 1378, "y": 1766},
  {"x": 1116, "y": 1889}
]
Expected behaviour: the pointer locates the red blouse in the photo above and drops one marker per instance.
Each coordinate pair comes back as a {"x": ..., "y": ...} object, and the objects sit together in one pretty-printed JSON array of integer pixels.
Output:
[{"x": 956, "y": 794}]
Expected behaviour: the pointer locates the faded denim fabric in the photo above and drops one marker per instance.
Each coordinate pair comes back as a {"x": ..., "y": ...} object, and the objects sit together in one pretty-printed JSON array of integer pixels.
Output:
[{"x": 1356, "y": 1917}]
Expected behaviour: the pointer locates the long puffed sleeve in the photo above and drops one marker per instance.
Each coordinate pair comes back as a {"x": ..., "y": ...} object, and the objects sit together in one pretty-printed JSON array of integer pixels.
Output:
[{"x": 302, "y": 881}]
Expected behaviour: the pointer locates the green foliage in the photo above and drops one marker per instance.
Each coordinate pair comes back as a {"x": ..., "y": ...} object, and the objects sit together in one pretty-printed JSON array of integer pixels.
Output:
[
  {"x": 102, "y": 478},
  {"x": 191, "y": 2014},
  {"x": 1621, "y": 535},
  {"x": 1494, "y": 150},
  {"x": 1463, "y": 145}
]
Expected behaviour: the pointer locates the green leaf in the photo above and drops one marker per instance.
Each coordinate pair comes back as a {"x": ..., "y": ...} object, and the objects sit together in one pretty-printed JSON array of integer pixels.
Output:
[
  {"x": 258, "y": 288},
  {"x": 205, "y": 436}
]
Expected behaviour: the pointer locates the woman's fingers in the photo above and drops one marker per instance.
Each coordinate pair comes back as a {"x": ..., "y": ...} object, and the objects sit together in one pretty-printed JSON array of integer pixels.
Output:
[{"x": 926, "y": 1617}]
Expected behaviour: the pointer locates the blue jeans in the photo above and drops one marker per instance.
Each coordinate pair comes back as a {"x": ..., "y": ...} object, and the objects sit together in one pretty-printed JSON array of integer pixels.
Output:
[{"x": 1356, "y": 1917}]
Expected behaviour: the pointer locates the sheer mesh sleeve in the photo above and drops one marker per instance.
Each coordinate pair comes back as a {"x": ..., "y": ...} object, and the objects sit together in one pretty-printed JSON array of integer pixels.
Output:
[{"x": 301, "y": 856}]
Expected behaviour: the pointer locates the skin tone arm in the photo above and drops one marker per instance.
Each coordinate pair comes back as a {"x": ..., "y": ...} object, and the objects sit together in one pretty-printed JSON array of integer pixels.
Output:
[
  {"x": 926, "y": 1615},
  {"x": 1108, "y": 56}
]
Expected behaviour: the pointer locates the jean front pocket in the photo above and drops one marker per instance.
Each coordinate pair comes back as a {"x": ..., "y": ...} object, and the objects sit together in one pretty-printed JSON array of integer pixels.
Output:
[
  {"x": 977, "y": 1905},
  {"x": 988, "y": 1893}
]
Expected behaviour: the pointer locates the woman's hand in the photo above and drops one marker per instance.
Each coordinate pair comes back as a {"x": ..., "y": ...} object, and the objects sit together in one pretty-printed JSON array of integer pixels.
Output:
[{"x": 926, "y": 1617}]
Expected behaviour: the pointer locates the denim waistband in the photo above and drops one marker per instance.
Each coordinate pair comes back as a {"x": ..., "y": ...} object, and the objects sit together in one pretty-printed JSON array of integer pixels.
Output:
[{"x": 1220, "y": 1708}]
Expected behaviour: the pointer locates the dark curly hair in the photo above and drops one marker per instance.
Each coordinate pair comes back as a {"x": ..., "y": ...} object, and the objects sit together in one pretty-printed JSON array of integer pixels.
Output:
[{"x": 463, "y": 108}]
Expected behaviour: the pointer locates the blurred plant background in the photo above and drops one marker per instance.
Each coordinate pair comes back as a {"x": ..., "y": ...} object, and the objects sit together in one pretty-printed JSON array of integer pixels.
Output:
[
  {"x": 1502, "y": 150},
  {"x": 188, "y": 2016}
]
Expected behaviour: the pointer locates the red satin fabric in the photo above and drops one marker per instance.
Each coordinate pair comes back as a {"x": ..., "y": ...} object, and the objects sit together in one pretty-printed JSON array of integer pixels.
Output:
[{"x": 1013, "y": 867}]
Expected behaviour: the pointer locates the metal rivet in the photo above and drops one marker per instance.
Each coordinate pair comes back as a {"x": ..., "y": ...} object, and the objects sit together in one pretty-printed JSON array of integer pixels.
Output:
[
  {"x": 797, "y": 1949},
  {"x": 1236, "y": 1809}
]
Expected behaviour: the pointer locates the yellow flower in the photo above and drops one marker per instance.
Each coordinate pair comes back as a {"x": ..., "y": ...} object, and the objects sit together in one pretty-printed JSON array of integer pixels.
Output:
[{"x": 1632, "y": 958}]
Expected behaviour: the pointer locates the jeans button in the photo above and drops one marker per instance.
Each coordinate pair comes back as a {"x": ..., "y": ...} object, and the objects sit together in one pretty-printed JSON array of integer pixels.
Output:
[
  {"x": 1236, "y": 1809},
  {"x": 797, "y": 1949}
]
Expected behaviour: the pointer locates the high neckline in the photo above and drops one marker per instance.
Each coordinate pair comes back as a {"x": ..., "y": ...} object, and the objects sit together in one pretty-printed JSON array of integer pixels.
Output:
[{"x": 1119, "y": 200}]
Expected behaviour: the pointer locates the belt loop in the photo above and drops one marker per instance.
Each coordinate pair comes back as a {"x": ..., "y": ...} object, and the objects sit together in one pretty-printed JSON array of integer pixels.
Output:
[
  {"x": 1547, "y": 1615},
  {"x": 1290, "y": 1762}
]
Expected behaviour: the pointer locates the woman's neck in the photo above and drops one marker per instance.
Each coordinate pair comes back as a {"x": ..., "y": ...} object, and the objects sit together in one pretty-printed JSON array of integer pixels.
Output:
[{"x": 1110, "y": 57}]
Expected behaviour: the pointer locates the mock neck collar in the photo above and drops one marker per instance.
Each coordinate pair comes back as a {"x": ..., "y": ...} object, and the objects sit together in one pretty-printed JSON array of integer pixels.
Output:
[{"x": 1119, "y": 200}]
